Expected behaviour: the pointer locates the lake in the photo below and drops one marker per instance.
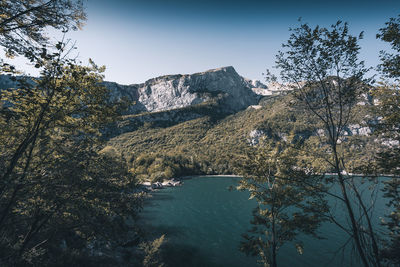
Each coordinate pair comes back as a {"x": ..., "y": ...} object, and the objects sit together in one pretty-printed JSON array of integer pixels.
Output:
[{"x": 203, "y": 222}]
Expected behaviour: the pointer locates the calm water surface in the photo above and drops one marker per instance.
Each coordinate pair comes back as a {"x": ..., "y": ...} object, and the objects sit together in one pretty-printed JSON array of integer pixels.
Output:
[{"x": 203, "y": 222}]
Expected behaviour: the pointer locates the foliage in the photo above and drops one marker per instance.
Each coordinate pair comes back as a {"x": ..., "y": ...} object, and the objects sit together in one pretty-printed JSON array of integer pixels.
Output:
[
  {"x": 288, "y": 203},
  {"x": 388, "y": 162},
  {"x": 390, "y": 65},
  {"x": 152, "y": 252},
  {"x": 387, "y": 107},
  {"x": 158, "y": 167},
  {"x": 55, "y": 187},
  {"x": 212, "y": 146},
  {"x": 322, "y": 67},
  {"x": 61, "y": 201},
  {"x": 23, "y": 22}
]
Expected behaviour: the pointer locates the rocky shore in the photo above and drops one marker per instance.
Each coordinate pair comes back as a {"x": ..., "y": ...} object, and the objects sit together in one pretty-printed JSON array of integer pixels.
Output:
[{"x": 147, "y": 186}]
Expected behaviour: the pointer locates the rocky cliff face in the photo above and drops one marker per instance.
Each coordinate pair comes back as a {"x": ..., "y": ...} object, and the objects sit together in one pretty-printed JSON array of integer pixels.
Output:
[
  {"x": 224, "y": 85},
  {"x": 177, "y": 91}
]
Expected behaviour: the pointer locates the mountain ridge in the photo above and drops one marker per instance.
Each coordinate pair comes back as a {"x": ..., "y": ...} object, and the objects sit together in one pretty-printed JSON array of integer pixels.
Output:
[
  {"x": 182, "y": 90},
  {"x": 224, "y": 85}
]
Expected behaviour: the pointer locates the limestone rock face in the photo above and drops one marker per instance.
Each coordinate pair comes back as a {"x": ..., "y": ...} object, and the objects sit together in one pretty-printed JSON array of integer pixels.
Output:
[
  {"x": 255, "y": 137},
  {"x": 224, "y": 86},
  {"x": 255, "y": 84},
  {"x": 177, "y": 91}
]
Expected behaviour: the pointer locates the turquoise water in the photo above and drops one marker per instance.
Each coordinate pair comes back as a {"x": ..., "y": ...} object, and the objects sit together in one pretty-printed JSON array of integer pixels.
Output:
[{"x": 203, "y": 222}]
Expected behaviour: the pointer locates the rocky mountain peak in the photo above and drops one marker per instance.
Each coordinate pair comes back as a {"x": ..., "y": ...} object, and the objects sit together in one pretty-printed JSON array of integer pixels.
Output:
[
  {"x": 228, "y": 69},
  {"x": 223, "y": 86},
  {"x": 168, "y": 92}
]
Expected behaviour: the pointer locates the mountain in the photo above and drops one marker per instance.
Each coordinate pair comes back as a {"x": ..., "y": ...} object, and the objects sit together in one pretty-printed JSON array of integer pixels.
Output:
[
  {"x": 169, "y": 92},
  {"x": 209, "y": 144},
  {"x": 204, "y": 123},
  {"x": 223, "y": 85},
  {"x": 172, "y": 99}
]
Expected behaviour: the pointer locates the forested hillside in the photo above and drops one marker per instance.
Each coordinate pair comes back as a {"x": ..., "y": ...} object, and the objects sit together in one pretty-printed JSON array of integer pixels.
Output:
[{"x": 214, "y": 142}]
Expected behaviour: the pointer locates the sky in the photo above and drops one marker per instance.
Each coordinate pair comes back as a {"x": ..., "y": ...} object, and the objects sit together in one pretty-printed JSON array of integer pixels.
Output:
[{"x": 140, "y": 39}]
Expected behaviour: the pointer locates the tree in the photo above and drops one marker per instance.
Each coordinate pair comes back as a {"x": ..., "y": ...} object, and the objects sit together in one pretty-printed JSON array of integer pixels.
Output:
[
  {"x": 55, "y": 186},
  {"x": 286, "y": 207},
  {"x": 152, "y": 257},
  {"x": 60, "y": 197},
  {"x": 388, "y": 108},
  {"x": 321, "y": 66},
  {"x": 390, "y": 65},
  {"x": 23, "y": 23}
]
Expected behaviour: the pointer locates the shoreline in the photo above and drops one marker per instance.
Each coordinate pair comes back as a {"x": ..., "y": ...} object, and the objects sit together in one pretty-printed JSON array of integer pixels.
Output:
[
  {"x": 208, "y": 175},
  {"x": 178, "y": 181}
]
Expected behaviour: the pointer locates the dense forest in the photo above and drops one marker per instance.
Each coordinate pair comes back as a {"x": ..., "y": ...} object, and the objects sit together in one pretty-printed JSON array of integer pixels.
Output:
[{"x": 70, "y": 181}]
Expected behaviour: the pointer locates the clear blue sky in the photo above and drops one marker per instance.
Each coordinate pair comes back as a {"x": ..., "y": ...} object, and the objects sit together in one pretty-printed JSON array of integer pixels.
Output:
[{"x": 141, "y": 39}]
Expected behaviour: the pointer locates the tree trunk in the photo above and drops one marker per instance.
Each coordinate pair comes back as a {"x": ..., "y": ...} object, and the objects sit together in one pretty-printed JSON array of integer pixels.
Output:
[
  {"x": 354, "y": 227},
  {"x": 273, "y": 260}
]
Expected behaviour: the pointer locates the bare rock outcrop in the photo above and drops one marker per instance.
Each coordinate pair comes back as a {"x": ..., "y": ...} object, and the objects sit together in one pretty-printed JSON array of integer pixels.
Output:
[{"x": 177, "y": 91}]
